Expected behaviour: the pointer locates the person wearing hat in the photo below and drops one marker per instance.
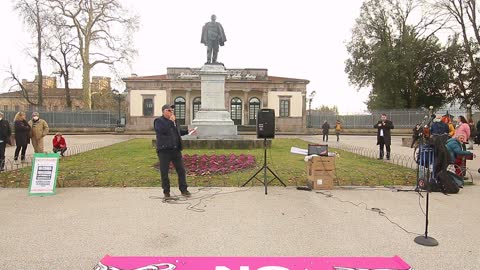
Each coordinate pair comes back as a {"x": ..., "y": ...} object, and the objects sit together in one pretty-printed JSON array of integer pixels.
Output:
[
  {"x": 39, "y": 129},
  {"x": 59, "y": 144},
  {"x": 5, "y": 133},
  {"x": 169, "y": 149}
]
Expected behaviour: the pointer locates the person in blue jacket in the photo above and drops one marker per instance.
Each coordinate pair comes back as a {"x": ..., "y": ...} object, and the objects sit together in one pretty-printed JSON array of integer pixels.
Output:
[{"x": 455, "y": 149}]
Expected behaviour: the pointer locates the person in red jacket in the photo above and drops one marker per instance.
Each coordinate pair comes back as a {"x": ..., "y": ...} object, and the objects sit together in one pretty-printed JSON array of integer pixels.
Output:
[{"x": 59, "y": 144}]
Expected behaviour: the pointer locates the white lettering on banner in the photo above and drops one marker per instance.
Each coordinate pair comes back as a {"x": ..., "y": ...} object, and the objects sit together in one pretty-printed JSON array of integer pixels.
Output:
[
  {"x": 248, "y": 268},
  {"x": 232, "y": 74},
  {"x": 237, "y": 76}
]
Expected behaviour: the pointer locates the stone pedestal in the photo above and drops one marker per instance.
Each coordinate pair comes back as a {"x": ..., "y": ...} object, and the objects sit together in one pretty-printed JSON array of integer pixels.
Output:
[{"x": 213, "y": 119}]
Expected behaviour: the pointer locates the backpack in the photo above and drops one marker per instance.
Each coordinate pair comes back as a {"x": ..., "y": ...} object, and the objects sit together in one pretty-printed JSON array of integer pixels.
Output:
[{"x": 447, "y": 182}]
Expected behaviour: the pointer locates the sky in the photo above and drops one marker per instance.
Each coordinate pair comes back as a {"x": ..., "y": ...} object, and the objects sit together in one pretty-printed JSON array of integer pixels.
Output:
[{"x": 297, "y": 39}]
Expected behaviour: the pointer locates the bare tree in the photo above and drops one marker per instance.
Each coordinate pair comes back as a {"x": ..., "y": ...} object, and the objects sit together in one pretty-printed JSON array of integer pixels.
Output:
[
  {"x": 35, "y": 17},
  {"x": 64, "y": 55},
  {"x": 466, "y": 79},
  {"x": 23, "y": 90},
  {"x": 103, "y": 29}
]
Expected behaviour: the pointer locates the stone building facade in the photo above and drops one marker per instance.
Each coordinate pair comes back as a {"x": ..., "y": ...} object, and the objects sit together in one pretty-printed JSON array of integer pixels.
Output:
[
  {"x": 246, "y": 91},
  {"x": 54, "y": 99}
]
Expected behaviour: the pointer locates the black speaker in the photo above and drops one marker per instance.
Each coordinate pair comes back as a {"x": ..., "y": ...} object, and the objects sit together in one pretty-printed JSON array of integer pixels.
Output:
[{"x": 266, "y": 123}]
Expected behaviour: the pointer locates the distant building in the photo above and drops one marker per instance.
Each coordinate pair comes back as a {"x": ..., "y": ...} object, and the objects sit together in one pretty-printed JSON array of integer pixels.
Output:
[
  {"x": 246, "y": 91},
  {"x": 54, "y": 99}
]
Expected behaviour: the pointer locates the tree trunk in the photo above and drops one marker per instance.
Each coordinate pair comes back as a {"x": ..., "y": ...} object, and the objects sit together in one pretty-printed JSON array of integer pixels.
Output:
[
  {"x": 39, "y": 59},
  {"x": 87, "y": 91},
  {"x": 67, "y": 93},
  {"x": 66, "y": 77}
]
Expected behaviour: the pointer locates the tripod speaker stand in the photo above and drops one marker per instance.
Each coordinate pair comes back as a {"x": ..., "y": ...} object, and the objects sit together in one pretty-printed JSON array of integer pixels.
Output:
[
  {"x": 426, "y": 166},
  {"x": 264, "y": 169}
]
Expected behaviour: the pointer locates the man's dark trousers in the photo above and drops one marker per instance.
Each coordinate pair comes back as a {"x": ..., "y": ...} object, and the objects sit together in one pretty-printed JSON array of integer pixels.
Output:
[
  {"x": 382, "y": 143},
  {"x": 175, "y": 156},
  {"x": 3, "y": 145}
]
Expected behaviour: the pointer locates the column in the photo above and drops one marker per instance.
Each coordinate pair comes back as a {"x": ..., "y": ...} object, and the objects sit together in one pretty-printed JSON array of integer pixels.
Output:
[
  {"x": 188, "y": 107},
  {"x": 245, "y": 107}
]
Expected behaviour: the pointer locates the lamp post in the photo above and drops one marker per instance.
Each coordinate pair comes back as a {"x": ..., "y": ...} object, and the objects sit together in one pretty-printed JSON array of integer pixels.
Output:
[
  {"x": 119, "y": 97},
  {"x": 430, "y": 112},
  {"x": 469, "y": 112},
  {"x": 310, "y": 99}
]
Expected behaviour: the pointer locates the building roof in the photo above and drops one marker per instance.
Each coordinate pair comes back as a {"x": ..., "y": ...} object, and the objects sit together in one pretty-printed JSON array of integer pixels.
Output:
[
  {"x": 147, "y": 78},
  {"x": 50, "y": 92},
  {"x": 164, "y": 77}
]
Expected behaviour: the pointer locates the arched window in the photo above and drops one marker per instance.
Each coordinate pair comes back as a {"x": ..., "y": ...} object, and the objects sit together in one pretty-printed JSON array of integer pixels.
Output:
[
  {"x": 236, "y": 110},
  {"x": 197, "y": 103},
  {"x": 253, "y": 108},
  {"x": 179, "y": 103}
]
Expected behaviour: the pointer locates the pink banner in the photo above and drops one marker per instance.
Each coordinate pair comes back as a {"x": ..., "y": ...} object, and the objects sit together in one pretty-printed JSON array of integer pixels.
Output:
[{"x": 251, "y": 263}]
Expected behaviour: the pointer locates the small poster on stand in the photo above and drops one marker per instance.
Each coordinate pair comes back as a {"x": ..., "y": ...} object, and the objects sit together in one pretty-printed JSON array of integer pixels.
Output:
[{"x": 44, "y": 174}]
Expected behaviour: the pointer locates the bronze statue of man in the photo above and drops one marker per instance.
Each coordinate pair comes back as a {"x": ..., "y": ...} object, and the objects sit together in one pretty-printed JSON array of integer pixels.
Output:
[{"x": 213, "y": 36}]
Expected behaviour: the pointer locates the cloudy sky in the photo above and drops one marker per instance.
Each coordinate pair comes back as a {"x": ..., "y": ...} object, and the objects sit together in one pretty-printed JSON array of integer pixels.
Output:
[{"x": 300, "y": 39}]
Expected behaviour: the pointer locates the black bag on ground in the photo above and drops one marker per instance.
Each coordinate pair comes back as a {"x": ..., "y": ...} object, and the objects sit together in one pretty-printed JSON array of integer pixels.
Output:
[
  {"x": 447, "y": 182},
  {"x": 476, "y": 139}
]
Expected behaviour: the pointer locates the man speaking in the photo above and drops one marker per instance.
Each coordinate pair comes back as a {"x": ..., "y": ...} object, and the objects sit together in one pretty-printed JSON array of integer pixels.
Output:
[{"x": 169, "y": 149}]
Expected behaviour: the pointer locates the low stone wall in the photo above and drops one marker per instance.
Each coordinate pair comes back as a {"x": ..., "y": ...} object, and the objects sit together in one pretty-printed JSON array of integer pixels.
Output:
[
  {"x": 222, "y": 143},
  {"x": 360, "y": 131},
  {"x": 407, "y": 141}
]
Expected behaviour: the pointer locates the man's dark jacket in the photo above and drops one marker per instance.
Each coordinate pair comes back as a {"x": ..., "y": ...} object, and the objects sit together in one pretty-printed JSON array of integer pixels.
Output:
[
  {"x": 387, "y": 138},
  {"x": 5, "y": 131},
  {"x": 168, "y": 134}
]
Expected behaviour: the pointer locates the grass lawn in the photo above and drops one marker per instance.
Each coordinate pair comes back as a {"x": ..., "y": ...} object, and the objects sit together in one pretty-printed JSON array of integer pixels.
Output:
[{"x": 132, "y": 164}]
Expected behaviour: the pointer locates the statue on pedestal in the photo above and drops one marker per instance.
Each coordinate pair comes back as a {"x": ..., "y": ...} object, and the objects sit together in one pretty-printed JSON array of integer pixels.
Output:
[{"x": 213, "y": 36}]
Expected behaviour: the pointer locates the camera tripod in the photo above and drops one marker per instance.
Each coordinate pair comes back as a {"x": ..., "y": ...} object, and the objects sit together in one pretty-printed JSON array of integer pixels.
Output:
[{"x": 265, "y": 167}]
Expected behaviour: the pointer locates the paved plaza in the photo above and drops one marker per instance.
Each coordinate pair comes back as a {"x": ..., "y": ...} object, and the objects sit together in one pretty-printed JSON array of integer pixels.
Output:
[{"x": 76, "y": 227}]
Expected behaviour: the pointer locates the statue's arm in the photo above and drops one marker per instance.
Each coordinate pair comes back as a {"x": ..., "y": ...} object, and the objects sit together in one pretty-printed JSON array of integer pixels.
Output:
[
  {"x": 203, "y": 38},
  {"x": 224, "y": 37}
]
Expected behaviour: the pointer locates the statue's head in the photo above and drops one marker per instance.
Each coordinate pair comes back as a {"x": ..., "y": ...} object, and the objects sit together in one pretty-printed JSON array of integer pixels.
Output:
[{"x": 213, "y": 17}]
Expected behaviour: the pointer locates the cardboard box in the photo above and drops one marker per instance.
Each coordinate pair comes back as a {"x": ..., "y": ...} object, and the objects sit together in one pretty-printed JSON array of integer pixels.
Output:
[
  {"x": 321, "y": 180},
  {"x": 320, "y": 164},
  {"x": 317, "y": 174}
]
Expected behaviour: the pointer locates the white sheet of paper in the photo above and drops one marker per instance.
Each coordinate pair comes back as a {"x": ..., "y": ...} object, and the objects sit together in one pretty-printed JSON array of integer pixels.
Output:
[{"x": 193, "y": 130}]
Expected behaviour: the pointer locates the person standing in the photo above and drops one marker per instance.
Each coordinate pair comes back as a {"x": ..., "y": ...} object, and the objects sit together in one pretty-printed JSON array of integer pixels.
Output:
[
  {"x": 473, "y": 133},
  {"x": 451, "y": 129},
  {"x": 39, "y": 129},
  {"x": 325, "y": 129},
  {"x": 462, "y": 127},
  {"x": 22, "y": 139},
  {"x": 338, "y": 129},
  {"x": 59, "y": 144},
  {"x": 5, "y": 133},
  {"x": 438, "y": 127},
  {"x": 384, "y": 137},
  {"x": 169, "y": 149}
]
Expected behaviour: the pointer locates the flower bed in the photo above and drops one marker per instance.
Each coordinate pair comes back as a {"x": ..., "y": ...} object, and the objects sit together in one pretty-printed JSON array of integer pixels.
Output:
[{"x": 217, "y": 164}]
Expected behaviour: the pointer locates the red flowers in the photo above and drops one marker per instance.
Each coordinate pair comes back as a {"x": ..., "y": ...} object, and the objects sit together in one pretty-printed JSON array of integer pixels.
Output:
[{"x": 217, "y": 164}]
